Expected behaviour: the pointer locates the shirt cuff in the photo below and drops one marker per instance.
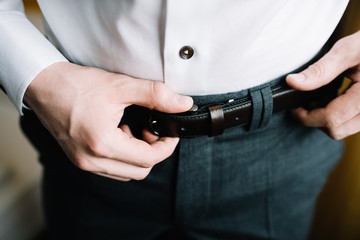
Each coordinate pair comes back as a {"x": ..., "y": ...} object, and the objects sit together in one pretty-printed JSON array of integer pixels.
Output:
[{"x": 24, "y": 53}]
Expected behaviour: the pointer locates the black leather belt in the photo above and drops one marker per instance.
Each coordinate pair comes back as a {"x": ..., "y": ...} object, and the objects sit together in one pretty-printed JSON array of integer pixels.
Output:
[{"x": 213, "y": 119}]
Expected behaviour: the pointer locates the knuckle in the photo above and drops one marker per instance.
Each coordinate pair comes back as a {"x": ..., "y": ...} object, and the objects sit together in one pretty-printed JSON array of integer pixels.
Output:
[
  {"x": 96, "y": 148},
  {"x": 142, "y": 175},
  {"x": 345, "y": 50},
  {"x": 342, "y": 47},
  {"x": 332, "y": 121},
  {"x": 318, "y": 69},
  {"x": 149, "y": 163},
  {"x": 158, "y": 91},
  {"x": 83, "y": 165},
  {"x": 336, "y": 135},
  {"x": 76, "y": 158},
  {"x": 168, "y": 152},
  {"x": 338, "y": 47},
  {"x": 304, "y": 121}
]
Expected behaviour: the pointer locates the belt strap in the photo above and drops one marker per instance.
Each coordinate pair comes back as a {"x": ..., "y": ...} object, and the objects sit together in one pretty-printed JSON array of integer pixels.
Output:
[{"x": 213, "y": 120}]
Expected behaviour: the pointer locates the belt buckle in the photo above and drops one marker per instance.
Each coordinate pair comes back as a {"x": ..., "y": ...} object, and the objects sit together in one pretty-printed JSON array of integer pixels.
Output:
[{"x": 152, "y": 125}]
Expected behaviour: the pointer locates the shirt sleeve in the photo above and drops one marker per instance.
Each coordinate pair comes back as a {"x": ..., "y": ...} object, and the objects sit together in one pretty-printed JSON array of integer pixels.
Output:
[{"x": 24, "y": 51}]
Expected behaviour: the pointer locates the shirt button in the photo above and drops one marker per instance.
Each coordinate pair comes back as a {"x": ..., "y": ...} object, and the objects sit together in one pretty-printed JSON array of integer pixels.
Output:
[{"x": 186, "y": 52}]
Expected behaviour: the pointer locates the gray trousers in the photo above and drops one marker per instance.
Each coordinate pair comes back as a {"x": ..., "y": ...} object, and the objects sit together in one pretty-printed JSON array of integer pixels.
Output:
[{"x": 249, "y": 183}]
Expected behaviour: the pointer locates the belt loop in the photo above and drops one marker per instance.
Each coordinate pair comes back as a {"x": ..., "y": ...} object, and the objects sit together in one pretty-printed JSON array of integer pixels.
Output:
[
  {"x": 267, "y": 105},
  {"x": 217, "y": 120},
  {"x": 257, "y": 107}
]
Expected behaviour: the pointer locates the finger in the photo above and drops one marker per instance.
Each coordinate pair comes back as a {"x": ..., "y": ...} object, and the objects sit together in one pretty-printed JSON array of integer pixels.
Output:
[
  {"x": 314, "y": 118},
  {"x": 143, "y": 154},
  {"x": 117, "y": 169},
  {"x": 156, "y": 95},
  {"x": 340, "y": 110},
  {"x": 342, "y": 56},
  {"x": 346, "y": 129},
  {"x": 149, "y": 137},
  {"x": 122, "y": 147},
  {"x": 126, "y": 129},
  {"x": 112, "y": 177},
  {"x": 344, "y": 107},
  {"x": 354, "y": 74}
]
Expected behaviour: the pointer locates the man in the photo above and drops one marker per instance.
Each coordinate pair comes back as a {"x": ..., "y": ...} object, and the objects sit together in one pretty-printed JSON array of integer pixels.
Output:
[{"x": 247, "y": 183}]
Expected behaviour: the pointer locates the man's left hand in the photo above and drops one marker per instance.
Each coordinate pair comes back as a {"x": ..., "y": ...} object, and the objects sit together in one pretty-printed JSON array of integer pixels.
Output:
[{"x": 341, "y": 117}]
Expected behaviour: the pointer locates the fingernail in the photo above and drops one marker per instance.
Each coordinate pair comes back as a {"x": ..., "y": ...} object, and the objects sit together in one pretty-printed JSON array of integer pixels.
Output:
[
  {"x": 299, "y": 77},
  {"x": 184, "y": 100}
]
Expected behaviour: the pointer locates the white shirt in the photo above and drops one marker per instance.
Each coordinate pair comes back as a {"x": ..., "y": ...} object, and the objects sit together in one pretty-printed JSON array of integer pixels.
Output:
[{"x": 237, "y": 43}]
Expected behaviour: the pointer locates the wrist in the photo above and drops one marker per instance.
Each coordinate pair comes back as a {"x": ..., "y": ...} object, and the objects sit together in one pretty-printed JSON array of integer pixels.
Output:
[{"x": 40, "y": 86}]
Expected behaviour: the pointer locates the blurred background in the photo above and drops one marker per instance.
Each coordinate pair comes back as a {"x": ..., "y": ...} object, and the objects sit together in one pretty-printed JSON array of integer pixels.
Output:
[
  {"x": 20, "y": 203},
  {"x": 337, "y": 214}
]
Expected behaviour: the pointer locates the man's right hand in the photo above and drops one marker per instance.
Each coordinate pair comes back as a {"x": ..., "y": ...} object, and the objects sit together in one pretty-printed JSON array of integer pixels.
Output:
[{"x": 82, "y": 107}]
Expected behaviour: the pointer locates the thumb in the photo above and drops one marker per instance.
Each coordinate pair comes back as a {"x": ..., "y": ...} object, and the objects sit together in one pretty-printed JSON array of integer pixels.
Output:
[
  {"x": 156, "y": 95},
  {"x": 340, "y": 58}
]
